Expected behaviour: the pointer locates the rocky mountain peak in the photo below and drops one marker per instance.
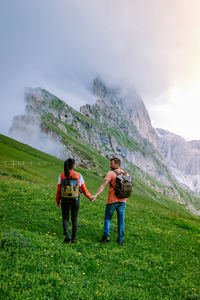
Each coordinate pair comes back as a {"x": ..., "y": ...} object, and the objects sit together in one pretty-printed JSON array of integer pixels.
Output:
[{"x": 122, "y": 107}]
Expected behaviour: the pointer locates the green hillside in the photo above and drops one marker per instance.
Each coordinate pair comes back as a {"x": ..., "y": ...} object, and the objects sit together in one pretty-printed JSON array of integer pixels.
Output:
[{"x": 159, "y": 259}]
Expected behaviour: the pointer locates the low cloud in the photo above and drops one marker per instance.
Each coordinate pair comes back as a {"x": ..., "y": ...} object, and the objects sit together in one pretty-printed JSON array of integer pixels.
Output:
[
  {"x": 63, "y": 45},
  {"x": 32, "y": 135}
]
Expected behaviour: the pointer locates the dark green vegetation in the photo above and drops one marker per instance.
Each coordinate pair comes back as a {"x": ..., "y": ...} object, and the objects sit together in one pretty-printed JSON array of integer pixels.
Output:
[{"x": 159, "y": 259}]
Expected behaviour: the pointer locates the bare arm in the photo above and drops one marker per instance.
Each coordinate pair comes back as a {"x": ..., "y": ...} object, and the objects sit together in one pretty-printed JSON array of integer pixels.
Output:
[{"x": 100, "y": 190}]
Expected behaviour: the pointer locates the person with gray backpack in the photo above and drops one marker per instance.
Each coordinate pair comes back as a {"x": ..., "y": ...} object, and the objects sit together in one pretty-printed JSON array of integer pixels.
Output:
[{"x": 119, "y": 190}]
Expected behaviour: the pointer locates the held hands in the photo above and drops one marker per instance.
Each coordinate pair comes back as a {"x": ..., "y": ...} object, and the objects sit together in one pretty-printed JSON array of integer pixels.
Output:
[
  {"x": 100, "y": 190},
  {"x": 93, "y": 198}
]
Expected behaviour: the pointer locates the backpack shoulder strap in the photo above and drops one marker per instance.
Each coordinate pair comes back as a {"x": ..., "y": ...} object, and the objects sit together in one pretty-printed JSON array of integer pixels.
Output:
[
  {"x": 122, "y": 174},
  {"x": 116, "y": 172},
  {"x": 117, "y": 175},
  {"x": 111, "y": 185}
]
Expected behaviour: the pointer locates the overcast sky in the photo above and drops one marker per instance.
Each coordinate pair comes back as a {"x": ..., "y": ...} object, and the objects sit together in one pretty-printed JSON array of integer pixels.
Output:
[{"x": 63, "y": 45}]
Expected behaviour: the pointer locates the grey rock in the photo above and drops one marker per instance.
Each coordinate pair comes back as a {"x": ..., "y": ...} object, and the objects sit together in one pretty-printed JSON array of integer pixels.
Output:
[{"x": 182, "y": 157}]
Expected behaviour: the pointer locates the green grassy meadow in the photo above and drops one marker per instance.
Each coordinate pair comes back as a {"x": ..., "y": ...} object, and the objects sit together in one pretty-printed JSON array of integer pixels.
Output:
[{"x": 160, "y": 258}]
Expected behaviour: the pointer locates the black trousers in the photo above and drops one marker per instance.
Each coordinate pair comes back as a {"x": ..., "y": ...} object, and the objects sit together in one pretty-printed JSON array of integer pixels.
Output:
[{"x": 66, "y": 206}]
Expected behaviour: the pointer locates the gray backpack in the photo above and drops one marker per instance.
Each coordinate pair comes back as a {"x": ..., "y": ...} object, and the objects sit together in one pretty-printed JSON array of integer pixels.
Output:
[{"x": 123, "y": 187}]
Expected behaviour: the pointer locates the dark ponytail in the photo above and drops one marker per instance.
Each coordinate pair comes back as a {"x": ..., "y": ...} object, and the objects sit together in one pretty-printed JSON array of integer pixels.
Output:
[{"x": 68, "y": 164}]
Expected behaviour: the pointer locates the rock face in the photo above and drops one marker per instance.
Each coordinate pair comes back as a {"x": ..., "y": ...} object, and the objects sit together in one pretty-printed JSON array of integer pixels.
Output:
[
  {"x": 125, "y": 115},
  {"x": 118, "y": 124},
  {"x": 126, "y": 110},
  {"x": 182, "y": 157}
]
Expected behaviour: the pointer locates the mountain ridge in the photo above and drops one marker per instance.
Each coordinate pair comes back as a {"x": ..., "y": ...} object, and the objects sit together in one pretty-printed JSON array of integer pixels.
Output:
[{"x": 108, "y": 126}]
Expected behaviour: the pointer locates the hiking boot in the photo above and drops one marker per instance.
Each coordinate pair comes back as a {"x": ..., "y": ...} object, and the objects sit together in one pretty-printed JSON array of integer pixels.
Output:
[
  {"x": 73, "y": 241},
  {"x": 105, "y": 239},
  {"x": 67, "y": 240}
]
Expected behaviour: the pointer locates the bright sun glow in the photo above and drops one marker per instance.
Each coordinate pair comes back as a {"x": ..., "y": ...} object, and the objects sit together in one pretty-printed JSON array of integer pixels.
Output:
[{"x": 178, "y": 111}]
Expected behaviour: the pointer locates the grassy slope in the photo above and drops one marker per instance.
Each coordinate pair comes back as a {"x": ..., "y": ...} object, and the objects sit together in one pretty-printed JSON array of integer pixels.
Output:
[{"x": 159, "y": 259}]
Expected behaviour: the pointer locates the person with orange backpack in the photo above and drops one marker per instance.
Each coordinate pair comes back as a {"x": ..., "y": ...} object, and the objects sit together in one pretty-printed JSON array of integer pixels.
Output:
[{"x": 70, "y": 184}]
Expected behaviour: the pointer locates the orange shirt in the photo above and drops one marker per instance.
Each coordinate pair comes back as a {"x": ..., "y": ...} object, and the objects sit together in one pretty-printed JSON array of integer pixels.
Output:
[{"x": 111, "y": 177}]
